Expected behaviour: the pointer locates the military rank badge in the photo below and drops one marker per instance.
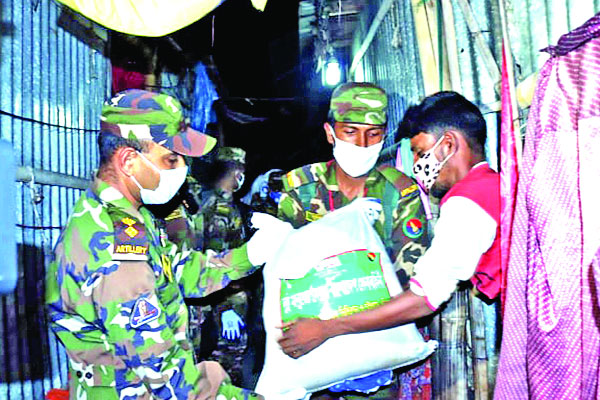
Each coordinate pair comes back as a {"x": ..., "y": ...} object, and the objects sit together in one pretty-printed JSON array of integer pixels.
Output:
[
  {"x": 412, "y": 227},
  {"x": 409, "y": 190},
  {"x": 143, "y": 312},
  {"x": 131, "y": 241}
]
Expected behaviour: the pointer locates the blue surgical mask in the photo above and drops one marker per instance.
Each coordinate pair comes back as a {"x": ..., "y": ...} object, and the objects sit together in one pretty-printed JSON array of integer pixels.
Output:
[{"x": 169, "y": 183}]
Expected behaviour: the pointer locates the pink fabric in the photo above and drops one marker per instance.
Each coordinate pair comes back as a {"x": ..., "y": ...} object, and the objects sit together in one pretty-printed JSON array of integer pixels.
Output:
[
  {"x": 551, "y": 334},
  {"x": 509, "y": 174},
  {"x": 126, "y": 79}
]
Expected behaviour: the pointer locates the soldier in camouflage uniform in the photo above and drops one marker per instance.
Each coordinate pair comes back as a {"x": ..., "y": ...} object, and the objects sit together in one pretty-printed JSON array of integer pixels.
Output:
[
  {"x": 224, "y": 332},
  {"x": 223, "y": 224},
  {"x": 207, "y": 217},
  {"x": 356, "y": 129},
  {"x": 116, "y": 286}
]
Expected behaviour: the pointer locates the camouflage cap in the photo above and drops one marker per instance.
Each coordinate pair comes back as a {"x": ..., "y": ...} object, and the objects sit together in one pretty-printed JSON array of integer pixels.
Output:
[
  {"x": 231, "y": 154},
  {"x": 139, "y": 114},
  {"x": 363, "y": 103}
]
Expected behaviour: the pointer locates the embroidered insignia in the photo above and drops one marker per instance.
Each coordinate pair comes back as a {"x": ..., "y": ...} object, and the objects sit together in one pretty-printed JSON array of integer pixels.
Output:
[
  {"x": 143, "y": 312},
  {"x": 130, "y": 230},
  {"x": 412, "y": 227},
  {"x": 131, "y": 241},
  {"x": 408, "y": 190},
  {"x": 131, "y": 249},
  {"x": 311, "y": 216},
  {"x": 371, "y": 256},
  {"x": 128, "y": 221}
]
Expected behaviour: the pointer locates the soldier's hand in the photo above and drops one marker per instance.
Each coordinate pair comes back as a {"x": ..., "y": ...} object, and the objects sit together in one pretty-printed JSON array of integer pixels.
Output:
[{"x": 232, "y": 325}]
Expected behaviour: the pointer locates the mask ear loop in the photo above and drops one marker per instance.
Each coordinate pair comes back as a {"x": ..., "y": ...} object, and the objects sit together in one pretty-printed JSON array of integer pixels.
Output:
[
  {"x": 148, "y": 162},
  {"x": 450, "y": 155}
]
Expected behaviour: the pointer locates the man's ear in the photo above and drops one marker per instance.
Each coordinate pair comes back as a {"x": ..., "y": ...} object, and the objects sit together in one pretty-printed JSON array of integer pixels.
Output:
[
  {"x": 451, "y": 143},
  {"x": 329, "y": 132},
  {"x": 124, "y": 159}
]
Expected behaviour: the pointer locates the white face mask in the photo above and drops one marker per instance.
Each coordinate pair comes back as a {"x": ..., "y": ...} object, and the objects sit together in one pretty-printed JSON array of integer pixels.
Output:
[
  {"x": 169, "y": 183},
  {"x": 355, "y": 160},
  {"x": 427, "y": 167}
]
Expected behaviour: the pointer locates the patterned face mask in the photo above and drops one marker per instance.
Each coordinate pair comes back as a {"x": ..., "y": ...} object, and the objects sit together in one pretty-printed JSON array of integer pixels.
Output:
[{"x": 427, "y": 167}]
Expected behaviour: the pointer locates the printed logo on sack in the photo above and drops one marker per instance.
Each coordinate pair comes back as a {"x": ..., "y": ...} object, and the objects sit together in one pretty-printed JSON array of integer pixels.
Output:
[
  {"x": 412, "y": 227},
  {"x": 143, "y": 312}
]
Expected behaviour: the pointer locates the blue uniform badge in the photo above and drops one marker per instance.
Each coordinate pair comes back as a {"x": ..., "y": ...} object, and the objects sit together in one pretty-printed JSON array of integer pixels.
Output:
[{"x": 143, "y": 312}]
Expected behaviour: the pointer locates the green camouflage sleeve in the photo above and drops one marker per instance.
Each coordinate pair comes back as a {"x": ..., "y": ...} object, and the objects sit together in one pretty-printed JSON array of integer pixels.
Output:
[
  {"x": 200, "y": 274},
  {"x": 120, "y": 314},
  {"x": 290, "y": 209},
  {"x": 410, "y": 237}
]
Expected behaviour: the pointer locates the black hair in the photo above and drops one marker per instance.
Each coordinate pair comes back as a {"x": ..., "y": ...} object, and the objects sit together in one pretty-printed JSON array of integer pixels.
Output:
[
  {"x": 406, "y": 127},
  {"x": 209, "y": 173},
  {"x": 450, "y": 111},
  {"x": 108, "y": 143}
]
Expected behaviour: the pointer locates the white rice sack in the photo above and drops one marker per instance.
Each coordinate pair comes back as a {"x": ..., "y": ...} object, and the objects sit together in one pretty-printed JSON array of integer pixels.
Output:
[{"x": 331, "y": 267}]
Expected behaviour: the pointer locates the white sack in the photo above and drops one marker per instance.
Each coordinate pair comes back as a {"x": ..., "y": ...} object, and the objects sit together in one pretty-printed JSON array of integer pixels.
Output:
[{"x": 343, "y": 357}]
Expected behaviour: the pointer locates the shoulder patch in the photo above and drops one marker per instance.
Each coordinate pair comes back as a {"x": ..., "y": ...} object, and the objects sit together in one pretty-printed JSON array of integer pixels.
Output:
[
  {"x": 399, "y": 180},
  {"x": 131, "y": 241},
  {"x": 303, "y": 175},
  {"x": 412, "y": 227},
  {"x": 409, "y": 190}
]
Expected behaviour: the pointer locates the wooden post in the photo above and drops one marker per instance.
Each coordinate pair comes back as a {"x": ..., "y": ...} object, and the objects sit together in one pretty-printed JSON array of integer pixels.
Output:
[
  {"x": 479, "y": 351},
  {"x": 450, "y": 376},
  {"x": 426, "y": 33}
]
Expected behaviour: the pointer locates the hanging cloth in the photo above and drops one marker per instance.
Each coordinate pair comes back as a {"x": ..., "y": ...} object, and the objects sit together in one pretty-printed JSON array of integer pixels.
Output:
[
  {"x": 147, "y": 17},
  {"x": 551, "y": 328}
]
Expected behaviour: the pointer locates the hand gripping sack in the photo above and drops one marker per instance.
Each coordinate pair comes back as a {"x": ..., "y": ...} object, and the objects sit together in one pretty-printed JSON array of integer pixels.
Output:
[{"x": 332, "y": 267}]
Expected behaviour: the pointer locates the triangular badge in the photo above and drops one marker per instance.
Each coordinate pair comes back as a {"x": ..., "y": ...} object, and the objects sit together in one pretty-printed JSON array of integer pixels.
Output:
[{"x": 143, "y": 312}]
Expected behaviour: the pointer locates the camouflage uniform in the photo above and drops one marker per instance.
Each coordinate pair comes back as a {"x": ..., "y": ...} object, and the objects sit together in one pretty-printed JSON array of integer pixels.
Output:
[
  {"x": 222, "y": 220},
  {"x": 312, "y": 191},
  {"x": 116, "y": 286},
  {"x": 224, "y": 229},
  {"x": 129, "y": 337}
]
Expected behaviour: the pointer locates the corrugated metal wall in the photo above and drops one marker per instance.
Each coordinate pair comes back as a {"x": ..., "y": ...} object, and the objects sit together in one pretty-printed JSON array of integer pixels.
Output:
[
  {"x": 392, "y": 59},
  {"x": 51, "y": 87}
]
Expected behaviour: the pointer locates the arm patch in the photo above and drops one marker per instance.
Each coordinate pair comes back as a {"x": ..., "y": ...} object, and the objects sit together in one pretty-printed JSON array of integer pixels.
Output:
[{"x": 131, "y": 240}]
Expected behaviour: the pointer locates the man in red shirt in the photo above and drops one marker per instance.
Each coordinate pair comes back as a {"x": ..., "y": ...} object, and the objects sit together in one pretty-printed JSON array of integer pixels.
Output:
[{"x": 448, "y": 141}]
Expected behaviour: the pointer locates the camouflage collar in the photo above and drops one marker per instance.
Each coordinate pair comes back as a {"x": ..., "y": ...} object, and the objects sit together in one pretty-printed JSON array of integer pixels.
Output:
[
  {"x": 109, "y": 195},
  {"x": 330, "y": 181}
]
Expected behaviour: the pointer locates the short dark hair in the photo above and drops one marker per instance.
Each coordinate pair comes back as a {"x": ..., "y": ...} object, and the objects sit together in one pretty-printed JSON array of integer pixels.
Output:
[
  {"x": 447, "y": 110},
  {"x": 209, "y": 172},
  {"x": 108, "y": 143},
  {"x": 406, "y": 127}
]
